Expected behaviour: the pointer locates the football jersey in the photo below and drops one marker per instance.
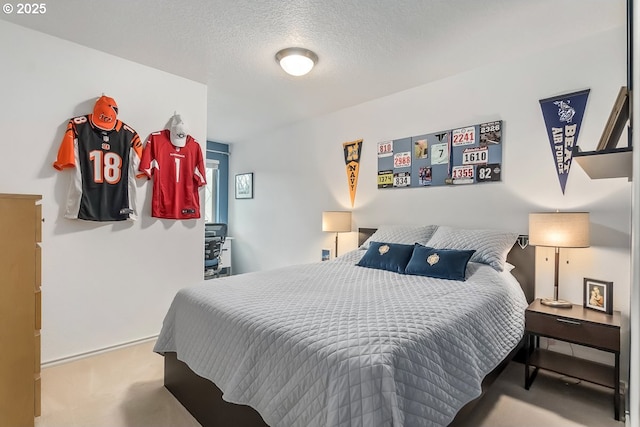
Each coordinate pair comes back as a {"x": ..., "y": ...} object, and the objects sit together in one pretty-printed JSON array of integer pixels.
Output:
[
  {"x": 106, "y": 164},
  {"x": 178, "y": 173}
]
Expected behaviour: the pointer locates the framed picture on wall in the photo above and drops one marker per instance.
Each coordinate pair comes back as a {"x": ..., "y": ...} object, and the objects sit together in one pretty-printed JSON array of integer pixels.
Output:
[
  {"x": 598, "y": 295},
  {"x": 244, "y": 186}
]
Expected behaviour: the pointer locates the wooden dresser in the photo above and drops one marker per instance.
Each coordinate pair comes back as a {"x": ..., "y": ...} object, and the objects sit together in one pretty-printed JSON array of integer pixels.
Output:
[{"x": 20, "y": 309}]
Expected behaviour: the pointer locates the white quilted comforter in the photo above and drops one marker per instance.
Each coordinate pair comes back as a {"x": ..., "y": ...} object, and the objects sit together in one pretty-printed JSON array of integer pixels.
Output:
[{"x": 333, "y": 344}]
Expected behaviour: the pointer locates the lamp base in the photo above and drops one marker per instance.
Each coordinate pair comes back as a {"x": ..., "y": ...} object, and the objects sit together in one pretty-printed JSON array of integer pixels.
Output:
[{"x": 556, "y": 303}]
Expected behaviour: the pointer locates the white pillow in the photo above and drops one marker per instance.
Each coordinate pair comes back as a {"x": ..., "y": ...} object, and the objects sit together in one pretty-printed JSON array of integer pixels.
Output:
[
  {"x": 491, "y": 246},
  {"x": 404, "y": 234}
]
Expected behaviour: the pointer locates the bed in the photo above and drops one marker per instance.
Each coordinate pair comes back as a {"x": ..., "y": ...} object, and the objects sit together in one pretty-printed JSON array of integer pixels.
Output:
[{"x": 337, "y": 344}]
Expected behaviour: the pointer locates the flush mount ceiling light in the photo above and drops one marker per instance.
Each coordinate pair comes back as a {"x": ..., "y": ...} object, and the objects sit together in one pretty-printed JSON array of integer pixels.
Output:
[{"x": 296, "y": 61}]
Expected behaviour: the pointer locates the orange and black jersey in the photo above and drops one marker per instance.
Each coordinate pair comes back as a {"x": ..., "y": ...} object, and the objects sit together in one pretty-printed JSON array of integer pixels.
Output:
[{"x": 106, "y": 164}]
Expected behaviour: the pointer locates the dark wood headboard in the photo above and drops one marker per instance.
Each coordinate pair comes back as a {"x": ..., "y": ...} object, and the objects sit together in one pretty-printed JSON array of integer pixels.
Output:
[
  {"x": 364, "y": 234},
  {"x": 522, "y": 257}
]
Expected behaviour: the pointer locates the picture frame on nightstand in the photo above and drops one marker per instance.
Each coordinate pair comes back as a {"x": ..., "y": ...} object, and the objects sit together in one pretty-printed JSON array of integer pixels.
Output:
[{"x": 598, "y": 295}]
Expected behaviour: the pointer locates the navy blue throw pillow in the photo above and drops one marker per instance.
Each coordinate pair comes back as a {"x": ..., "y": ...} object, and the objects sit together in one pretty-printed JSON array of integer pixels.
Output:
[
  {"x": 387, "y": 256},
  {"x": 439, "y": 263}
]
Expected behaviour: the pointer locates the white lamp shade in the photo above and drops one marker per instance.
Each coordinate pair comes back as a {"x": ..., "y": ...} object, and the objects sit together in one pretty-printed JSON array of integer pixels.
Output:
[
  {"x": 296, "y": 61},
  {"x": 336, "y": 221},
  {"x": 559, "y": 229}
]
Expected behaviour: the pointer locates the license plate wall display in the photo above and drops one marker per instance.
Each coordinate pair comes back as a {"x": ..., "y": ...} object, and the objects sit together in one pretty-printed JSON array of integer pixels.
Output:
[{"x": 466, "y": 155}]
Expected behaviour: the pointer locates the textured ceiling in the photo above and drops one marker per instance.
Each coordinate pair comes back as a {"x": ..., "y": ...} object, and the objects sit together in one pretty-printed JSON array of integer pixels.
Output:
[{"x": 367, "y": 48}]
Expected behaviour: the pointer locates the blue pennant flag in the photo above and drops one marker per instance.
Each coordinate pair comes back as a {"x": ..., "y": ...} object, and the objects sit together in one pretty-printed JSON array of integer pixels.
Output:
[{"x": 563, "y": 117}]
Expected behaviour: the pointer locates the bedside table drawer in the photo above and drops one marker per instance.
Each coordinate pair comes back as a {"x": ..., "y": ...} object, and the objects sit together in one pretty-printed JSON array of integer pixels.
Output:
[{"x": 576, "y": 331}]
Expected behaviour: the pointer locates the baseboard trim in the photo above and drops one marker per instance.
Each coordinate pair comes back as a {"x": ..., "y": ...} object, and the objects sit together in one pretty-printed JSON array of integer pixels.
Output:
[{"x": 96, "y": 352}]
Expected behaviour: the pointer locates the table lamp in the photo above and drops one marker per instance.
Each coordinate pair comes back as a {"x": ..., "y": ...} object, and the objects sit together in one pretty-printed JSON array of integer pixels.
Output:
[
  {"x": 336, "y": 222},
  {"x": 558, "y": 230}
]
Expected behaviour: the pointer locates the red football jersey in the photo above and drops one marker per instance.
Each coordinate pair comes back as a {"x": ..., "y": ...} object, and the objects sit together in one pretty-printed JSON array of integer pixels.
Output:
[{"x": 178, "y": 173}]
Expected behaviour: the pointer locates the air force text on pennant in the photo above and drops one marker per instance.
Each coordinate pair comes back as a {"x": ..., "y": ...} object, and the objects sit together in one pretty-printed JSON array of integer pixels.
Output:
[{"x": 563, "y": 117}]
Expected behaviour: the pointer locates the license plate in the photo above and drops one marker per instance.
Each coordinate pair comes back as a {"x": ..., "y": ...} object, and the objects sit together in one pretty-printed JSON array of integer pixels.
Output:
[
  {"x": 402, "y": 179},
  {"x": 385, "y": 149},
  {"x": 385, "y": 179},
  {"x": 475, "y": 156},
  {"x": 464, "y": 136},
  {"x": 460, "y": 172},
  {"x": 402, "y": 160}
]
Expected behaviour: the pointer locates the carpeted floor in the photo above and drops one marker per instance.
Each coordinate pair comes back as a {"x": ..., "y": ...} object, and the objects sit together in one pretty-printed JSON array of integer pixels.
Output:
[
  {"x": 552, "y": 400},
  {"x": 123, "y": 388}
]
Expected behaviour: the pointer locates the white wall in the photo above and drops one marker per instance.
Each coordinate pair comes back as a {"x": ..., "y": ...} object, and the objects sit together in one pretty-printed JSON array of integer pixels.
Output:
[
  {"x": 103, "y": 283},
  {"x": 633, "y": 398},
  {"x": 300, "y": 171}
]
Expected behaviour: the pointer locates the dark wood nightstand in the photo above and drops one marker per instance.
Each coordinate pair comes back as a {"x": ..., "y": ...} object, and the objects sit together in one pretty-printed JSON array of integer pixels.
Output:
[{"x": 576, "y": 325}]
